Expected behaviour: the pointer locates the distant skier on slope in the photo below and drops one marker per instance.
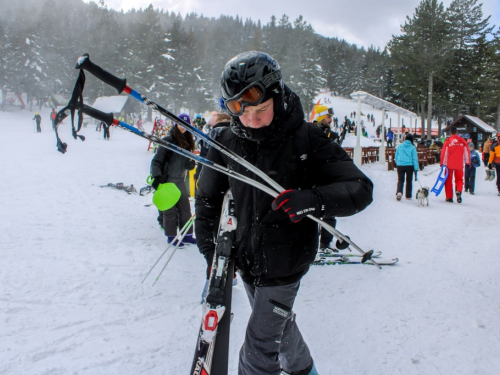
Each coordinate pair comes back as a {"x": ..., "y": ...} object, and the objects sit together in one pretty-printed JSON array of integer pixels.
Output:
[
  {"x": 274, "y": 247},
  {"x": 38, "y": 120}
]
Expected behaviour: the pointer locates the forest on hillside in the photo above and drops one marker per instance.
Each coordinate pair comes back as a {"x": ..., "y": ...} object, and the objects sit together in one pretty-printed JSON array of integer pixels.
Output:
[{"x": 445, "y": 62}]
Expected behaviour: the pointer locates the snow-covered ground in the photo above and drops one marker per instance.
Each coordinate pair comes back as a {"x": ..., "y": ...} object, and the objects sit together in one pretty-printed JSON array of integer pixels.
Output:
[{"x": 73, "y": 256}]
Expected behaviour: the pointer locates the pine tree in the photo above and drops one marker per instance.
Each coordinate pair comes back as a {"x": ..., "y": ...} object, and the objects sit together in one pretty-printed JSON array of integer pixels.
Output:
[
  {"x": 420, "y": 53},
  {"x": 468, "y": 31},
  {"x": 306, "y": 75}
]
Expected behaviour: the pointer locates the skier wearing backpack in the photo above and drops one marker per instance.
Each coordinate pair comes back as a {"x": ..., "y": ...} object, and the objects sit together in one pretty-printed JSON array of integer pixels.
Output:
[{"x": 273, "y": 246}]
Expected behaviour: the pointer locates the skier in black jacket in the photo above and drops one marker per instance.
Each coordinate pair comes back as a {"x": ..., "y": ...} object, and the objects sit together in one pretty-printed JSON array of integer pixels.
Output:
[
  {"x": 168, "y": 166},
  {"x": 273, "y": 246}
]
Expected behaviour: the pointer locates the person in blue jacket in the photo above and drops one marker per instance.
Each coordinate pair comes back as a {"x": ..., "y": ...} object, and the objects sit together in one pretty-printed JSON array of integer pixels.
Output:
[
  {"x": 407, "y": 161},
  {"x": 390, "y": 138},
  {"x": 470, "y": 169}
]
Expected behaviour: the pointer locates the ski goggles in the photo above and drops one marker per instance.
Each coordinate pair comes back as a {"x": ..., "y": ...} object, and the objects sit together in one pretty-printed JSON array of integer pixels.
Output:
[
  {"x": 253, "y": 94},
  {"x": 329, "y": 111}
]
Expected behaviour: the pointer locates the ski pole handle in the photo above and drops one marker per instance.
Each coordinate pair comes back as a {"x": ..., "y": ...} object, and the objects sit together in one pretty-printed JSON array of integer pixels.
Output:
[
  {"x": 112, "y": 80},
  {"x": 98, "y": 115}
]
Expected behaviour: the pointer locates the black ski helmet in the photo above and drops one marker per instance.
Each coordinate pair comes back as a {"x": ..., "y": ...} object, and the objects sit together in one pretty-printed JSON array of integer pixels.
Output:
[{"x": 247, "y": 68}]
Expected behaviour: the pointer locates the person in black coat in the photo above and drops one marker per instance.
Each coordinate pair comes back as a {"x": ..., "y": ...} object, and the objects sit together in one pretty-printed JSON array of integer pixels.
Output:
[
  {"x": 324, "y": 117},
  {"x": 105, "y": 129},
  {"x": 274, "y": 243},
  {"x": 168, "y": 166}
]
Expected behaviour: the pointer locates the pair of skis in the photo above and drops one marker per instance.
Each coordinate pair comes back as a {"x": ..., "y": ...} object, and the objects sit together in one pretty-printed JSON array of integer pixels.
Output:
[
  {"x": 129, "y": 189},
  {"x": 212, "y": 346},
  {"x": 347, "y": 260}
]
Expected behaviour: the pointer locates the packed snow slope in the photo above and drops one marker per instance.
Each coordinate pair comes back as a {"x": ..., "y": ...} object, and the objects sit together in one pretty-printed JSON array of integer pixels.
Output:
[{"x": 73, "y": 256}]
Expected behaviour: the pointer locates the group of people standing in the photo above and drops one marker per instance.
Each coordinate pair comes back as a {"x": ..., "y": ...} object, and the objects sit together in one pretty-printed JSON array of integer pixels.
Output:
[{"x": 460, "y": 158}]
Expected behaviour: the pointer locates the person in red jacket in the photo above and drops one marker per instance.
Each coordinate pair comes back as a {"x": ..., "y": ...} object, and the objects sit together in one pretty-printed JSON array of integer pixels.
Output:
[{"x": 455, "y": 155}]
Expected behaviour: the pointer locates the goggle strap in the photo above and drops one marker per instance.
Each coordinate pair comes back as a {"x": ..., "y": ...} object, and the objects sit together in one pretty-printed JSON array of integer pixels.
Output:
[
  {"x": 329, "y": 111},
  {"x": 271, "y": 78}
]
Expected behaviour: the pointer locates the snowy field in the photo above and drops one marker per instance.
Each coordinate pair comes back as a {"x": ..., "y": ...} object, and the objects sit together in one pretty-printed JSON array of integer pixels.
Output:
[{"x": 73, "y": 256}]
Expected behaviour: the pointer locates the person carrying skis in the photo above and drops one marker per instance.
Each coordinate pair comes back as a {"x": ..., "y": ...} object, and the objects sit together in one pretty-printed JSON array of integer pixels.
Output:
[
  {"x": 273, "y": 245},
  {"x": 494, "y": 160},
  {"x": 168, "y": 166},
  {"x": 38, "y": 120},
  {"x": 486, "y": 150},
  {"x": 455, "y": 154},
  {"x": 470, "y": 170}
]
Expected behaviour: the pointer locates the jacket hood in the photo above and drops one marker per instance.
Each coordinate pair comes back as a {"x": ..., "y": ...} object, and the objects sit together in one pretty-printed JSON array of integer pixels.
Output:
[
  {"x": 407, "y": 143},
  {"x": 286, "y": 117}
]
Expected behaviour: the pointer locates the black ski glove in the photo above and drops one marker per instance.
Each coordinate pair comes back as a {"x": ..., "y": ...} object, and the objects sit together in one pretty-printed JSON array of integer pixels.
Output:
[
  {"x": 190, "y": 164},
  {"x": 490, "y": 166},
  {"x": 298, "y": 204},
  {"x": 158, "y": 180}
]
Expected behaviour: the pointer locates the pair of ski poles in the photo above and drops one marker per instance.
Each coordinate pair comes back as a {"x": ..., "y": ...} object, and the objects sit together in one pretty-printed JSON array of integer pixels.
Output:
[
  {"x": 176, "y": 242},
  {"x": 274, "y": 189}
]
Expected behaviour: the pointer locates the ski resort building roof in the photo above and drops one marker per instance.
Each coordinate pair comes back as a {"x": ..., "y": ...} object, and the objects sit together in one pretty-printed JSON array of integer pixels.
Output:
[
  {"x": 476, "y": 121},
  {"x": 113, "y": 104}
]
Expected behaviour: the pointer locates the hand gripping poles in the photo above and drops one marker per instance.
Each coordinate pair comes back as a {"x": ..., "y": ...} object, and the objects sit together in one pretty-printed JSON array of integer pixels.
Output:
[
  {"x": 212, "y": 345},
  {"x": 120, "y": 85}
]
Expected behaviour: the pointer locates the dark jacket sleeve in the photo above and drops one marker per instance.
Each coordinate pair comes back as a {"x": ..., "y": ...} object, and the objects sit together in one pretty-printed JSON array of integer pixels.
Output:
[
  {"x": 342, "y": 187},
  {"x": 212, "y": 186},
  {"x": 161, "y": 157}
]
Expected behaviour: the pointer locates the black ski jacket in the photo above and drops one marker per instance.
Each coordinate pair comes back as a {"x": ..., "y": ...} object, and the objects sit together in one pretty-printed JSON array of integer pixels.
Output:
[
  {"x": 270, "y": 249},
  {"x": 169, "y": 164}
]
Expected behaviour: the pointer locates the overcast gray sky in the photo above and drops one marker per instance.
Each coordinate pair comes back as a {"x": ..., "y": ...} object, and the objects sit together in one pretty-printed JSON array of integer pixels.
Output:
[{"x": 362, "y": 22}]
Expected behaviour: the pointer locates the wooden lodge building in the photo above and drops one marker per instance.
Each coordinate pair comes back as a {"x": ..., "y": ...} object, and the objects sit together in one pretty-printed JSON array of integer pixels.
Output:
[{"x": 470, "y": 127}]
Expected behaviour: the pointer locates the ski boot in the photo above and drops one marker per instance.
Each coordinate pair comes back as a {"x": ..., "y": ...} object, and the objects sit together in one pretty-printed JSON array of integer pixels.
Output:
[
  {"x": 172, "y": 241},
  {"x": 308, "y": 371},
  {"x": 492, "y": 174}
]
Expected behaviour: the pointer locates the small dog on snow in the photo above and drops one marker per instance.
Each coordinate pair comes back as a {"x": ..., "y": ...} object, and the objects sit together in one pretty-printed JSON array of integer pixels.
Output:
[{"x": 422, "y": 196}]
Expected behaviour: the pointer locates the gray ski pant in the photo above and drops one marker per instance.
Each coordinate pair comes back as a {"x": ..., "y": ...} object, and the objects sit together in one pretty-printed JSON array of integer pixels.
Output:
[{"x": 273, "y": 340}]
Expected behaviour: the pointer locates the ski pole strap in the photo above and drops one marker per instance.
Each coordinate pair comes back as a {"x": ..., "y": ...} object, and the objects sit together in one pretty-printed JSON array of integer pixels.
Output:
[{"x": 74, "y": 104}]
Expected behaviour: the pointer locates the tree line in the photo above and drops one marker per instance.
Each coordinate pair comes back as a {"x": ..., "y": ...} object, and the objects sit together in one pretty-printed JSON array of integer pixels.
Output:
[{"x": 444, "y": 63}]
